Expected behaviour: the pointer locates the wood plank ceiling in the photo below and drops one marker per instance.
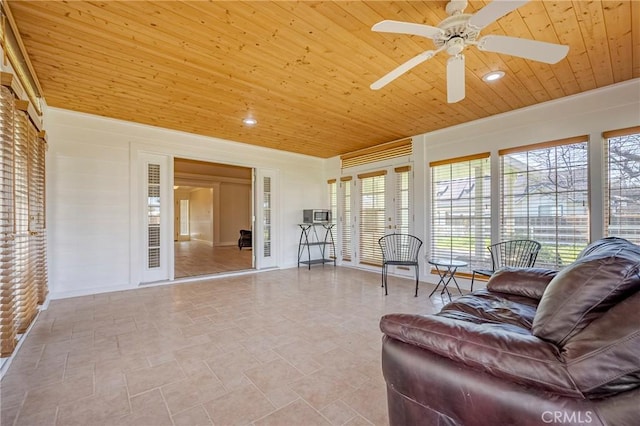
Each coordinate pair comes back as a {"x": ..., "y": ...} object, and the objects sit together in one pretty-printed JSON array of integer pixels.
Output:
[{"x": 303, "y": 68}]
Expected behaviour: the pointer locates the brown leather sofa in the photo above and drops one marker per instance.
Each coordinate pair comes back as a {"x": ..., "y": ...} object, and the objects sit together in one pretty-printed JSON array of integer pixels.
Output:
[{"x": 537, "y": 347}]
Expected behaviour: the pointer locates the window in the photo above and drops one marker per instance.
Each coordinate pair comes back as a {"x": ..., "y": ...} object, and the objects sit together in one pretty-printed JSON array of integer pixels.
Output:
[
  {"x": 545, "y": 197},
  {"x": 403, "y": 200},
  {"x": 622, "y": 186},
  {"x": 345, "y": 218},
  {"x": 184, "y": 217},
  {"x": 7, "y": 224},
  {"x": 372, "y": 216},
  {"x": 461, "y": 209},
  {"x": 23, "y": 272},
  {"x": 333, "y": 200},
  {"x": 266, "y": 213},
  {"x": 333, "y": 208},
  {"x": 153, "y": 215}
]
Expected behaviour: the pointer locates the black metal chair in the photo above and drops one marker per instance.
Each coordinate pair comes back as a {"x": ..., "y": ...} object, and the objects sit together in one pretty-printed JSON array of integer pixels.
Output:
[
  {"x": 399, "y": 250},
  {"x": 245, "y": 239},
  {"x": 513, "y": 253}
]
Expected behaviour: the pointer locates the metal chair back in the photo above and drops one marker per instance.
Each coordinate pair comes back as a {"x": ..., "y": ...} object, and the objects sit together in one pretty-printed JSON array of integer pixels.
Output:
[
  {"x": 400, "y": 250},
  {"x": 514, "y": 253}
]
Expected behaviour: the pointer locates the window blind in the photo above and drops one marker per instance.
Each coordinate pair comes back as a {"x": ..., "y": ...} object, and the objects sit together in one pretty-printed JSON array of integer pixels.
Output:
[
  {"x": 372, "y": 216},
  {"x": 346, "y": 219},
  {"x": 622, "y": 186},
  {"x": 461, "y": 209},
  {"x": 25, "y": 294},
  {"x": 7, "y": 241},
  {"x": 544, "y": 197},
  {"x": 385, "y": 151},
  {"x": 153, "y": 216},
  {"x": 333, "y": 207},
  {"x": 402, "y": 199},
  {"x": 266, "y": 212},
  {"x": 37, "y": 212},
  {"x": 23, "y": 275}
]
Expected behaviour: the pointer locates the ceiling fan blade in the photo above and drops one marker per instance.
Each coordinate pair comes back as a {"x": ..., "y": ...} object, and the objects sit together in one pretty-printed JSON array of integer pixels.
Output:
[
  {"x": 407, "y": 28},
  {"x": 492, "y": 12},
  {"x": 397, "y": 72},
  {"x": 541, "y": 51},
  {"x": 455, "y": 79}
]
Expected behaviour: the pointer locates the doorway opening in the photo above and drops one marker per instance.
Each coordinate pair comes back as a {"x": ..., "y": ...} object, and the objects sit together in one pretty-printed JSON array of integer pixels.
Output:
[{"x": 212, "y": 204}]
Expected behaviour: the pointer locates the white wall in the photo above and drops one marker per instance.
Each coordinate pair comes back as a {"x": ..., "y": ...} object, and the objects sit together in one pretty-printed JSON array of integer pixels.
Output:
[
  {"x": 235, "y": 211},
  {"x": 589, "y": 113},
  {"x": 201, "y": 214},
  {"x": 87, "y": 210},
  {"x": 89, "y": 217},
  {"x": 89, "y": 214}
]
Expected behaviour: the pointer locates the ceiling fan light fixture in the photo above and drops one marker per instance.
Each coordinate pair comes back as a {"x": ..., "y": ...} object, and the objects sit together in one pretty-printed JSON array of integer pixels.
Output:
[
  {"x": 250, "y": 121},
  {"x": 493, "y": 76},
  {"x": 461, "y": 30}
]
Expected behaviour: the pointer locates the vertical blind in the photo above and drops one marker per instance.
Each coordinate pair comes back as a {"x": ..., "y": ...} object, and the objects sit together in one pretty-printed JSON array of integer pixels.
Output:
[
  {"x": 461, "y": 209},
  {"x": 346, "y": 220},
  {"x": 622, "y": 186},
  {"x": 372, "y": 216},
  {"x": 23, "y": 276},
  {"x": 545, "y": 197}
]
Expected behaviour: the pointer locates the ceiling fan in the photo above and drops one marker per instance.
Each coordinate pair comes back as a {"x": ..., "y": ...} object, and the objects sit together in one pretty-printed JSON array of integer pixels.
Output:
[{"x": 460, "y": 30}]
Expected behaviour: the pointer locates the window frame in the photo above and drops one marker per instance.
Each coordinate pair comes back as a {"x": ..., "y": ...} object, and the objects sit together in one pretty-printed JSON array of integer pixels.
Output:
[
  {"x": 347, "y": 221},
  {"x": 568, "y": 229},
  {"x": 372, "y": 224},
  {"x": 608, "y": 137},
  {"x": 474, "y": 252}
]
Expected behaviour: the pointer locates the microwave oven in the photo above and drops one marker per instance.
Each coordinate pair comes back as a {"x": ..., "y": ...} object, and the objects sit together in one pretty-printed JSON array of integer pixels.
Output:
[{"x": 316, "y": 216}]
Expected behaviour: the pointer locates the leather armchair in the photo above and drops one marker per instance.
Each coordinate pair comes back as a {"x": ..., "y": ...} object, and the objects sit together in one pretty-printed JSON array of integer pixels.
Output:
[
  {"x": 536, "y": 347},
  {"x": 246, "y": 239}
]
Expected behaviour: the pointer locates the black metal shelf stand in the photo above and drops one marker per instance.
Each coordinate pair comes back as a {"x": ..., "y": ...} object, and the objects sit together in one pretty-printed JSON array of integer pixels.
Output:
[{"x": 316, "y": 235}]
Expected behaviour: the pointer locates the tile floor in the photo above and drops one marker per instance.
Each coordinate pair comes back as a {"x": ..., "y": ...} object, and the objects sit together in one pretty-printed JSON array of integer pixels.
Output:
[{"x": 290, "y": 347}]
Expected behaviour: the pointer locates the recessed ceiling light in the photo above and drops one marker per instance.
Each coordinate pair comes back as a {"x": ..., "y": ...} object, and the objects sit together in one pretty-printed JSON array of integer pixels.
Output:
[
  {"x": 493, "y": 76},
  {"x": 250, "y": 121}
]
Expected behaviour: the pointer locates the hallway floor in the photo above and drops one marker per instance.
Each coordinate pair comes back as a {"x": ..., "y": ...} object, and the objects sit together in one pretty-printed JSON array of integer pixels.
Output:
[{"x": 194, "y": 258}]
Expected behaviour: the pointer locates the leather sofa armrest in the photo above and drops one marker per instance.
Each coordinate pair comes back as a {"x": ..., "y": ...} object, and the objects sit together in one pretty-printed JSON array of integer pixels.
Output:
[
  {"x": 528, "y": 282},
  {"x": 494, "y": 348}
]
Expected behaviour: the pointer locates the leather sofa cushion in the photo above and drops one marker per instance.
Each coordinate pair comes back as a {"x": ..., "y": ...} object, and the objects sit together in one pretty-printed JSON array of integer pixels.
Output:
[
  {"x": 528, "y": 282},
  {"x": 511, "y": 312},
  {"x": 604, "y": 358},
  {"x": 606, "y": 273},
  {"x": 518, "y": 357}
]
